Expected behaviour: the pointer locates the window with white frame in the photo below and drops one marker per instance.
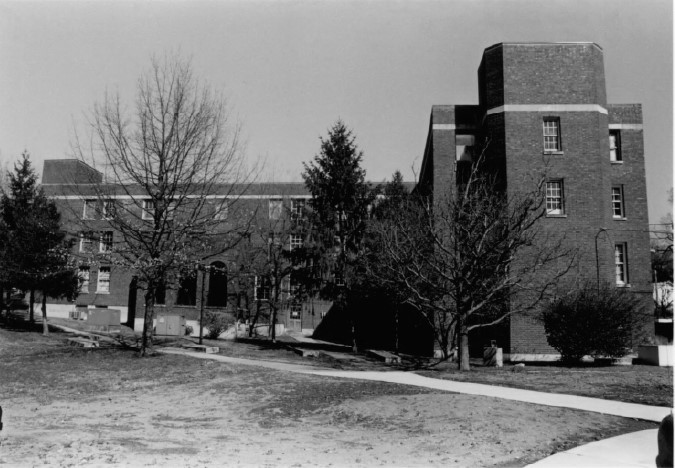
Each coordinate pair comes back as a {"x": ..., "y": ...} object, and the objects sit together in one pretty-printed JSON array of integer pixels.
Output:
[
  {"x": 276, "y": 206},
  {"x": 552, "y": 135},
  {"x": 83, "y": 273},
  {"x": 621, "y": 264},
  {"x": 106, "y": 242},
  {"x": 108, "y": 209},
  {"x": 89, "y": 209},
  {"x": 296, "y": 310},
  {"x": 148, "y": 209},
  {"x": 221, "y": 209},
  {"x": 103, "y": 280},
  {"x": 262, "y": 289},
  {"x": 295, "y": 241},
  {"x": 555, "y": 200},
  {"x": 617, "y": 202},
  {"x": 86, "y": 241},
  {"x": 615, "y": 146},
  {"x": 297, "y": 208}
]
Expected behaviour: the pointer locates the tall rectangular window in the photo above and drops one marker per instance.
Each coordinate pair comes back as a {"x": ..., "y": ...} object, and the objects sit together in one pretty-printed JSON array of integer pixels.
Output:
[
  {"x": 295, "y": 241},
  {"x": 83, "y": 273},
  {"x": 555, "y": 200},
  {"x": 262, "y": 289},
  {"x": 617, "y": 202},
  {"x": 275, "y": 209},
  {"x": 552, "y": 135},
  {"x": 297, "y": 208},
  {"x": 108, "y": 209},
  {"x": 220, "y": 210},
  {"x": 621, "y": 264},
  {"x": 296, "y": 310},
  {"x": 615, "y": 146},
  {"x": 86, "y": 241},
  {"x": 106, "y": 243},
  {"x": 89, "y": 209},
  {"x": 148, "y": 209},
  {"x": 103, "y": 281}
]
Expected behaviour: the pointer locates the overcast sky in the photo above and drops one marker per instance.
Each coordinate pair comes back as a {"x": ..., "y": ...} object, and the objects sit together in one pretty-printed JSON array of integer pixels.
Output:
[{"x": 290, "y": 69}]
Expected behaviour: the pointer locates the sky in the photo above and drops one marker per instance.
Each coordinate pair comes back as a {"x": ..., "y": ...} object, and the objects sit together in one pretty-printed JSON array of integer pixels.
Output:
[{"x": 290, "y": 69}]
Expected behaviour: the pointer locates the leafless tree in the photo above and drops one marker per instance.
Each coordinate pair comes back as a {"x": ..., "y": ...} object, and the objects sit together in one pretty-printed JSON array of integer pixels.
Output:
[
  {"x": 173, "y": 169},
  {"x": 470, "y": 257}
]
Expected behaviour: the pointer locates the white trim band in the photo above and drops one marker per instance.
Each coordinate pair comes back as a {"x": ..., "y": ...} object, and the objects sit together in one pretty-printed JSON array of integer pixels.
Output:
[
  {"x": 547, "y": 108},
  {"x": 452, "y": 127},
  {"x": 623, "y": 126},
  {"x": 207, "y": 197}
]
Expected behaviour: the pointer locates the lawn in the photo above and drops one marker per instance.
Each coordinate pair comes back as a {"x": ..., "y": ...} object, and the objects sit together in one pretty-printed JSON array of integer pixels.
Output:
[{"x": 71, "y": 406}]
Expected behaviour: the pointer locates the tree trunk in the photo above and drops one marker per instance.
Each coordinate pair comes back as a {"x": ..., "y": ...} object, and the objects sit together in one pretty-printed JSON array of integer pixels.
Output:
[
  {"x": 45, "y": 326},
  {"x": 146, "y": 341},
  {"x": 396, "y": 329},
  {"x": 8, "y": 302},
  {"x": 464, "y": 347},
  {"x": 2, "y": 303},
  {"x": 31, "y": 315},
  {"x": 255, "y": 319},
  {"x": 273, "y": 325}
]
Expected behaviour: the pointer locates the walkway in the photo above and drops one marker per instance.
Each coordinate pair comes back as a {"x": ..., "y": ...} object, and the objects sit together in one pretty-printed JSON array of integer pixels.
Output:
[{"x": 636, "y": 449}]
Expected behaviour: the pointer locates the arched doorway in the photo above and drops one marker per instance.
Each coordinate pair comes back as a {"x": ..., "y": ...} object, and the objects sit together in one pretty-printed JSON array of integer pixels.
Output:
[{"x": 217, "y": 296}]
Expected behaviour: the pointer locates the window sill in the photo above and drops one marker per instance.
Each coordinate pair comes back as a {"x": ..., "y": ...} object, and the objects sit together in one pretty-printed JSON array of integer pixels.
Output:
[
  {"x": 556, "y": 215},
  {"x": 616, "y": 162},
  {"x": 625, "y": 285},
  {"x": 554, "y": 153},
  {"x": 102, "y": 292},
  {"x": 615, "y": 218}
]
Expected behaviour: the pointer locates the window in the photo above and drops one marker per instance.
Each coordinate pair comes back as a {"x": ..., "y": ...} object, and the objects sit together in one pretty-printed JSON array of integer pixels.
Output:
[
  {"x": 89, "y": 209},
  {"x": 108, "y": 209},
  {"x": 262, "y": 289},
  {"x": 148, "y": 209},
  {"x": 106, "y": 243},
  {"x": 83, "y": 273},
  {"x": 275, "y": 209},
  {"x": 295, "y": 241},
  {"x": 293, "y": 287},
  {"x": 552, "y": 135},
  {"x": 296, "y": 310},
  {"x": 103, "y": 282},
  {"x": 617, "y": 202},
  {"x": 615, "y": 146},
  {"x": 464, "y": 145},
  {"x": 217, "y": 296},
  {"x": 86, "y": 241},
  {"x": 160, "y": 294},
  {"x": 297, "y": 209},
  {"x": 187, "y": 290},
  {"x": 621, "y": 265},
  {"x": 220, "y": 211},
  {"x": 555, "y": 198}
]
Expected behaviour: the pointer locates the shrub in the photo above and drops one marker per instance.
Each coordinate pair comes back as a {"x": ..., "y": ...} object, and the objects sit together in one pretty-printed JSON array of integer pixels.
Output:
[
  {"x": 216, "y": 323},
  {"x": 188, "y": 330},
  {"x": 594, "y": 321}
]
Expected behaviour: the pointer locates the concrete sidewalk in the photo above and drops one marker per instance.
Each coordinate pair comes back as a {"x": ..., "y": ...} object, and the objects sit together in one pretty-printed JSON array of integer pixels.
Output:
[{"x": 636, "y": 449}]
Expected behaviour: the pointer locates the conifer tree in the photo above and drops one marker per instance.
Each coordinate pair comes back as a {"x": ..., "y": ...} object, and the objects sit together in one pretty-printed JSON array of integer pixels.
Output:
[{"x": 338, "y": 216}]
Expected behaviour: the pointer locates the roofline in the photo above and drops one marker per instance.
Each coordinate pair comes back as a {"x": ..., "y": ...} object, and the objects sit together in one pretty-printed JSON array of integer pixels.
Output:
[{"x": 542, "y": 44}]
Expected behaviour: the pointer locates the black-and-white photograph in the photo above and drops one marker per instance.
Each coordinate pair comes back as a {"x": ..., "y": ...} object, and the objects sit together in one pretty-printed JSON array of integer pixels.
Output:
[{"x": 337, "y": 233}]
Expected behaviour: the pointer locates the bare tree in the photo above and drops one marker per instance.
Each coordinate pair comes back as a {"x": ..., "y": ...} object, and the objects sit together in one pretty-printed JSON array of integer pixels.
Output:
[
  {"x": 471, "y": 257},
  {"x": 173, "y": 168}
]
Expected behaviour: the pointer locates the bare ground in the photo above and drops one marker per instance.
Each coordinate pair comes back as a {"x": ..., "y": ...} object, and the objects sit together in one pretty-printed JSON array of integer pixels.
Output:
[{"x": 70, "y": 407}]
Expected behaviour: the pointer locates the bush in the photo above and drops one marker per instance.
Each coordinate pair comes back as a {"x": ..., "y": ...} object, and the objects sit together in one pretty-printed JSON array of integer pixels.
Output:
[
  {"x": 596, "y": 322},
  {"x": 216, "y": 323},
  {"x": 188, "y": 330}
]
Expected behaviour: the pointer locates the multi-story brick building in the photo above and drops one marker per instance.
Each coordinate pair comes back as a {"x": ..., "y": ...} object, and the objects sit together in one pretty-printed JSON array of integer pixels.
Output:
[
  {"x": 543, "y": 107},
  {"x": 225, "y": 282}
]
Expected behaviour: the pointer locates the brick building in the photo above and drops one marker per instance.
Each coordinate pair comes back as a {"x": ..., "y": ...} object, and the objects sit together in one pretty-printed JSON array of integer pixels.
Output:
[
  {"x": 543, "y": 106},
  {"x": 217, "y": 281}
]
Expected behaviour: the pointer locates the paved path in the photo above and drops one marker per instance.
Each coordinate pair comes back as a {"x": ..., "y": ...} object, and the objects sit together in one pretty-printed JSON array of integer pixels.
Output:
[{"x": 637, "y": 449}]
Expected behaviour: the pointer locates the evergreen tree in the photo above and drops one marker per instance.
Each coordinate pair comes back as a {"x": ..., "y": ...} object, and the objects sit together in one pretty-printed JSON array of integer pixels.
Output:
[
  {"x": 33, "y": 247},
  {"x": 338, "y": 215}
]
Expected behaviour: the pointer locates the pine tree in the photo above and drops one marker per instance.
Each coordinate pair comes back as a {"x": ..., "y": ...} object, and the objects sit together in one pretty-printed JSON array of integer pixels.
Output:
[
  {"x": 339, "y": 212},
  {"x": 33, "y": 247}
]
